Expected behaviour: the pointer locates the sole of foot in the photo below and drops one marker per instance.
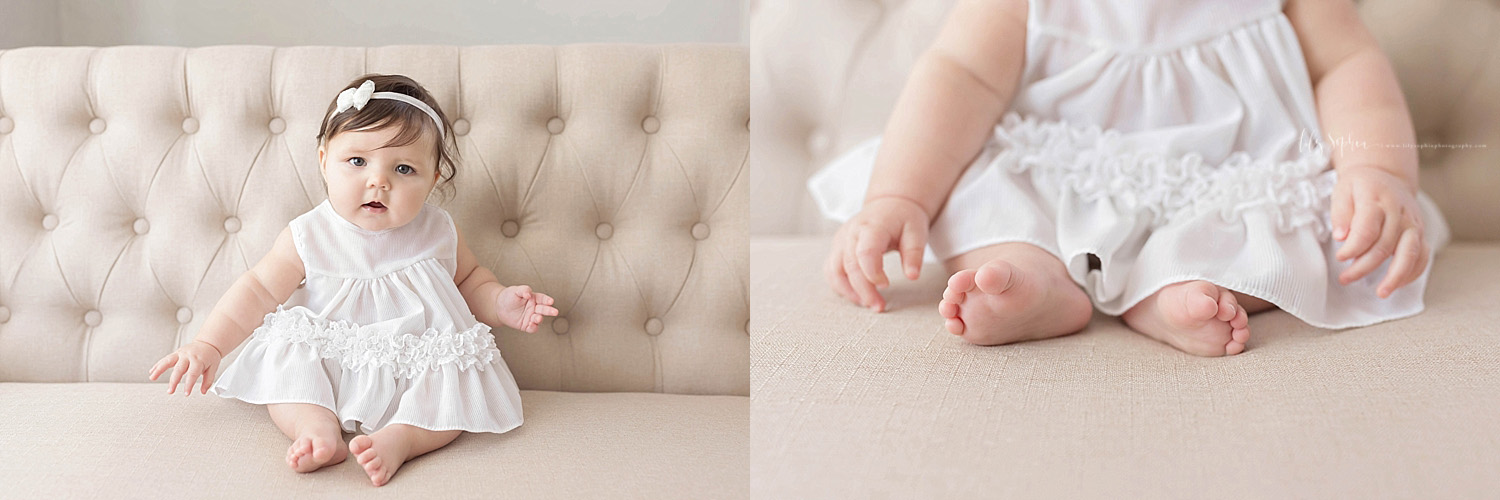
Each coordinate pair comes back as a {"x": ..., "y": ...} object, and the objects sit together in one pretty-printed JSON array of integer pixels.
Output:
[
  {"x": 1000, "y": 303},
  {"x": 1196, "y": 317}
]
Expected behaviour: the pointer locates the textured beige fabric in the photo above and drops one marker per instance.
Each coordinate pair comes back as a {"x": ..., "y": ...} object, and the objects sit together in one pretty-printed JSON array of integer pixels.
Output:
[
  {"x": 137, "y": 183},
  {"x": 826, "y": 74},
  {"x": 108, "y": 440},
  {"x": 851, "y": 404}
]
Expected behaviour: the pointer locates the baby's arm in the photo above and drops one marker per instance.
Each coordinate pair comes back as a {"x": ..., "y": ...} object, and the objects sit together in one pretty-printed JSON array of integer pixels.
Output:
[
  {"x": 242, "y": 308},
  {"x": 495, "y": 304},
  {"x": 1359, "y": 99},
  {"x": 955, "y": 94},
  {"x": 257, "y": 292}
]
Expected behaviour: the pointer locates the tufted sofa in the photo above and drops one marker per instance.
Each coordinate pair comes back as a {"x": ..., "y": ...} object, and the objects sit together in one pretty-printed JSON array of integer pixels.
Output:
[
  {"x": 847, "y": 403},
  {"x": 137, "y": 183}
]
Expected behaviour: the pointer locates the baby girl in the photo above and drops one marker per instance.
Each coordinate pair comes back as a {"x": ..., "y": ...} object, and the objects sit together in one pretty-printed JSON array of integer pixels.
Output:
[
  {"x": 1160, "y": 160},
  {"x": 382, "y": 315}
]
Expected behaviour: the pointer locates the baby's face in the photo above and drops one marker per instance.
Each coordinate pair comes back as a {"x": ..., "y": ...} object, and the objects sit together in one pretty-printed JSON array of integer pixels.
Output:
[{"x": 377, "y": 187}]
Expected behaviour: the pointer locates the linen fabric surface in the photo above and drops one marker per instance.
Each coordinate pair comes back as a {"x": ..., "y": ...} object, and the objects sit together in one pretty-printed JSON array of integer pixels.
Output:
[{"x": 1173, "y": 141}]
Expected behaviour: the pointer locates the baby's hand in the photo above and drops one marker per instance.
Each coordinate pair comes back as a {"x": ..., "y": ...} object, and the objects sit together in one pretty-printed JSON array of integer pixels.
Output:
[
  {"x": 854, "y": 266},
  {"x": 1378, "y": 213},
  {"x": 195, "y": 359},
  {"x": 522, "y": 309}
]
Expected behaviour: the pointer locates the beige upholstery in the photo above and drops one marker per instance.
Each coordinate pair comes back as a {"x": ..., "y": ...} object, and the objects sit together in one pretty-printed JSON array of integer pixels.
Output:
[
  {"x": 850, "y": 404},
  {"x": 847, "y": 403},
  {"x": 111, "y": 440},
  {"x": 137, "y": 183}
]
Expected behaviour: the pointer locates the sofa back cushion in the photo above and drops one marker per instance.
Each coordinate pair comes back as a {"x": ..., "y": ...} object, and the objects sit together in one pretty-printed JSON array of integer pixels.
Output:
[{"x": 137, "y": 183}]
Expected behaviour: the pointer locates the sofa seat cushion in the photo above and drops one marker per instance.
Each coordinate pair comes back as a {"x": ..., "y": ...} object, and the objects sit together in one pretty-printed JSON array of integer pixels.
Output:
[
  {"x": 853, "y": 404},
  {"x": 132, "y": 440}
]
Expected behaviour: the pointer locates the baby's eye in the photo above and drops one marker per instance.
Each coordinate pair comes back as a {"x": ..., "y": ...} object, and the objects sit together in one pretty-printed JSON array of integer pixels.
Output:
[
  {"x": 357, "y": 161},
  {"x": 404, "y": 169}
]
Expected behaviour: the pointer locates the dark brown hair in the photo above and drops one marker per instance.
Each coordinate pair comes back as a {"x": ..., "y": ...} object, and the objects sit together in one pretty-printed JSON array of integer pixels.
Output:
[{"x": 413, "y": 122}]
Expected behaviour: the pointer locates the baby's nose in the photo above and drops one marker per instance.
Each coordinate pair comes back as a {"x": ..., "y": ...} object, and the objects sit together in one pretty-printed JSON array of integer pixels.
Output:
[{"x": 378, "y": 181}]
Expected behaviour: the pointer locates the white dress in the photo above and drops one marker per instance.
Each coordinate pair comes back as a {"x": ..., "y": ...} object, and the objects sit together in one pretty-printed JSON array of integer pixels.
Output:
[
  {"x": 1173, "y": 140},
  {"x": 379, "y": 333}
]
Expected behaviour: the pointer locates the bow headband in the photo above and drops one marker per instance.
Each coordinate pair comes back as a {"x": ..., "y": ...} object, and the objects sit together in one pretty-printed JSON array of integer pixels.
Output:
[{"x": 358, "y": 97}]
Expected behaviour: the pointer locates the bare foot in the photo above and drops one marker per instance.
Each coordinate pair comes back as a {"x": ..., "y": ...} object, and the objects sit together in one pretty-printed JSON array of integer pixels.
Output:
[
  {"x": 1000, "y": 303},
  {"x": 315, "y": 450},
  {"x": 380, "y": 453},
  {"x": 1196, "y": 317}
]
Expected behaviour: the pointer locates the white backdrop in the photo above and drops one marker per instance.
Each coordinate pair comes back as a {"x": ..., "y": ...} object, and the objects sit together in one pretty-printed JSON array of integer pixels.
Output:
[{"x": 369, "y": 22}]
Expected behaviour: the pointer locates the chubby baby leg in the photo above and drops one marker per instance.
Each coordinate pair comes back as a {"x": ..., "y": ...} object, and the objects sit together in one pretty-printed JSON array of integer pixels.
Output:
[
  {"x": 1011, "y": 292},
  {"x": 382, "y": 452},
  {"x": 317, "y": 439},
  {"x": 1196, "y": 317}
]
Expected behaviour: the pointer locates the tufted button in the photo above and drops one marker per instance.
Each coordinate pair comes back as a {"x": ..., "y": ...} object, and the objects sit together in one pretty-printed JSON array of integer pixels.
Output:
[
  {"x": 818, "y": 142},
  {"x": 232, "y": 224},
  {"x": 653, "y": 326},
  {"x": 277, "y": 125},
  {"x": 190, "y": 125},
  {"x": 92, "y": 318},
  {"x": 700, "y": 231},
  {"x": 49, "y": 222},
  {"x": 4, "y": 314},
  {"x": 141, "y": 226},
  {"x": 461, "y": 127},
  {"x": 97, "y": 126},
  {"x": 604, "y": 230},
  {"x": 651, "y": 124},
  {"x": 510, "y": 228},
  {"x": 6, "y": 125},
  {"x": 560, "y": 325},
  {"x": 184, "y": 315},
  {"x": 555, "y": 125}
]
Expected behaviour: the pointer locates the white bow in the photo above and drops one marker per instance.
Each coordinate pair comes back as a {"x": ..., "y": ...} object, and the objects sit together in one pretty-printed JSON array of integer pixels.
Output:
[{"x": 356, "y": 97}]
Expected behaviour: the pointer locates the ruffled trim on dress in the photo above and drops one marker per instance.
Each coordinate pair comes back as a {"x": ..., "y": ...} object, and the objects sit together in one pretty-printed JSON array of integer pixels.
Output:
[
  {"x": 409, "y": 354},
  {"x": 1096, "y": 163}
]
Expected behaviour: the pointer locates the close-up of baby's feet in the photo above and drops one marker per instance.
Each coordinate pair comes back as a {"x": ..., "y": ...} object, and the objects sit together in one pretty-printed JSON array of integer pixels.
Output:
[
  {"x": 1196, "y": 317},
  {"x": 1000, "y": 303},
  {"x": 312, "y": 452},
  {"x": 381, "y": 453}
]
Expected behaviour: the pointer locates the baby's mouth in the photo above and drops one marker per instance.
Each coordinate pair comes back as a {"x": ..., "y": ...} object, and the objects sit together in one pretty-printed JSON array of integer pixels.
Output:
[{"x": 374, "y": 207}]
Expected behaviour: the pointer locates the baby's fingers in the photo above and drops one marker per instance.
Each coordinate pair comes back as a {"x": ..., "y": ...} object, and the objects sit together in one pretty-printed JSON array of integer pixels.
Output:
[
  {"x": 870, "y": 244},
  {"x": 833, "y": 271},
  {"x": 162, "y": 365},
  {"x": 913, "y": 243},
  {"x": 177, "y": 371},
  {"x": 544, "y": 299},
  {"x": 1410, "y": 261},
  {"x": 207, "y": 381},
  {"x": 1343, "y": 210},
  {"x": 193, "y": 372},
  {"x": 1378, "y": 253},
  {"x": 868, "y": 297},
  {"x": 1363, "y": 233},
  {"x": 545, "y": 310}
]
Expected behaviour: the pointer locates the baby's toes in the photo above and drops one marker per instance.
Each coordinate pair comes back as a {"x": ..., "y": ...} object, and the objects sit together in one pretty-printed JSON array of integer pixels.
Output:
[
  {"x": 375, "y": 471},
  {"x": 1227, "y": 305},
  {"x": 954, "y": 296},
  {"x": 1241, "y": 319},
  {"x": 955, "y": 326},
  {"x": 322, "y": 450},
  {"x": 961, "y": 282},
  {"x": 948, "y": 308}
]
